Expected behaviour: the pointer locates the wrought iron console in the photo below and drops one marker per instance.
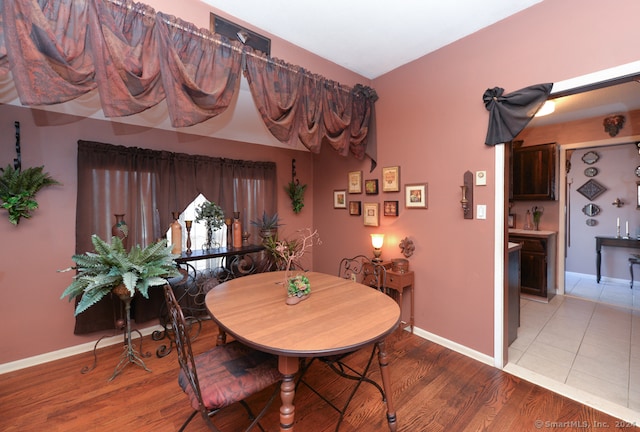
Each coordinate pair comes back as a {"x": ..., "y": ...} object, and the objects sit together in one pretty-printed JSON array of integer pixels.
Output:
[{"x": 191, "y": 289}]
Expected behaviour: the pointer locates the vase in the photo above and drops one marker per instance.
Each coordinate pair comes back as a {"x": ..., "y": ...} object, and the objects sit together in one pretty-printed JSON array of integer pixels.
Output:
[
  {"x": 237, "y": 230},
  {"x": 120, "y": 229},
  {"x": 291, "y": 301},
  {"x": 209, "y": 242},
  {"x": 176, "y": 235}
]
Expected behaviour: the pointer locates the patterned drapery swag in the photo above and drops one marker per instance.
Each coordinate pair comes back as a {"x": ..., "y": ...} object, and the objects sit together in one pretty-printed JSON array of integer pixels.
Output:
[
  {"x": 58, "y": 50},
  {"x": 509, "y": 114}
]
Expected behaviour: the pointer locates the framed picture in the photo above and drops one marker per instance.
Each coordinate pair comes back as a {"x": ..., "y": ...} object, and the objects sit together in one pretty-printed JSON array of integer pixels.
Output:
[
  {"x": 371, "y": 214},
  {"x": 415, "y": 195},
  {"x": 371, "y": 187},
  {"x": 340, "y": 199},
  {"x": 355, "y": 182},
  {"x": 355, "y": 208},
  {"x": 391, "y": 179},
  {"x": 391, "y": 208},
  {"x": 511, "y": 221}
]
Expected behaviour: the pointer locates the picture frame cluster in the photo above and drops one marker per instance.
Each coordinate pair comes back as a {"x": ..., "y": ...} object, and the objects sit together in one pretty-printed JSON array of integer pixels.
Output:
[{"x": 415, "y": 195}]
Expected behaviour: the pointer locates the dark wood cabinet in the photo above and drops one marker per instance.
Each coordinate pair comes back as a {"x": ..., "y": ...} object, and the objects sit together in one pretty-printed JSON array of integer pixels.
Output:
[
  {"x": 537, "y": 263},
  {"x": 533, "y": 172}
]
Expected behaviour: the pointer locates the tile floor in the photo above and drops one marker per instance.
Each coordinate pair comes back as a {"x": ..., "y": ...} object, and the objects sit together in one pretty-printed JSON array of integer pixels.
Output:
[{"x": 588, "y": 339}]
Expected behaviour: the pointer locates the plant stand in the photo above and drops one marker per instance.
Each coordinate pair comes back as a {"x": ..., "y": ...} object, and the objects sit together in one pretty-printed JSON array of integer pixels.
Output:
[{"x": 129, "y": 354}]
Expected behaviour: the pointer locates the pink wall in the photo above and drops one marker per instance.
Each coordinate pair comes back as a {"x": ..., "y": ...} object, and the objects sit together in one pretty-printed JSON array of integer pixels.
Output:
[
  {"x": 36, "y": 248},
  {"x": 432, "y": 122}
]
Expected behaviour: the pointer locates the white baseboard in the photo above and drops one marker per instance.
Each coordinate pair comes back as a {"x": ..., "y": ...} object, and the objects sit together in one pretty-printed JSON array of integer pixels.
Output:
[
  {"x": 70, "y": 351},
  {"x": 454, "y": 346}
]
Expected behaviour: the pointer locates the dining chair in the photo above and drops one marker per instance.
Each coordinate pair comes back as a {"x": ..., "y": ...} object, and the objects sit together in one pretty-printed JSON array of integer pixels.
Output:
[
  {"x": 222, "y": 376},
  {"x": 363, "y": 270}
]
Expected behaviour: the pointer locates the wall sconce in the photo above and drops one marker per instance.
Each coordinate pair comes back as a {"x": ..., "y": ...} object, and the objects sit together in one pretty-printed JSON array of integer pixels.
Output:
[
  {"x": 467, "y": 195},
  {"x": 377, "y": 240}
]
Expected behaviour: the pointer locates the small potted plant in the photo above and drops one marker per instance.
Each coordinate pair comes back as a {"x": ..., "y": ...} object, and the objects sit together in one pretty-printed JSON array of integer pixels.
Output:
[
  {"x": 287, "y": 255},
  {"x": 111, "y": 269},
  {"x": 212, "y": 215},
  {"x": 268, "y": 225}
]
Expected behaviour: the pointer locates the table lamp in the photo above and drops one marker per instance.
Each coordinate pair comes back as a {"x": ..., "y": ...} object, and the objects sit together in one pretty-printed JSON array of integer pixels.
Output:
[{"x": 377, "y": 241}]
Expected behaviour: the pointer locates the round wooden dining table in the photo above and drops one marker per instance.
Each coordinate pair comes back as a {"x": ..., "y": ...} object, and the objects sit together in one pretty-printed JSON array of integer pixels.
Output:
[{"x": 339, "y": 316}]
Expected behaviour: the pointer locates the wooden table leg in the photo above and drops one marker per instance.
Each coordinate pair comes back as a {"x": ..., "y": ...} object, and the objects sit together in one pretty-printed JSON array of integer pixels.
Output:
[
  {"x": 386, "y": 383},
  {"x": 288, "y": 367}
]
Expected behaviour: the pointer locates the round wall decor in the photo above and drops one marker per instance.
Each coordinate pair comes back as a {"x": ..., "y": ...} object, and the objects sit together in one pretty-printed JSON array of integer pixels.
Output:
[
  {"x": 591, "y": 171},
  {"x": 591, "y": 222}
]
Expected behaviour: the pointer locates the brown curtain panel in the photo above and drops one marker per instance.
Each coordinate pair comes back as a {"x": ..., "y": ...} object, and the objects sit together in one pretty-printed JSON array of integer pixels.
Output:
[{"x": 147, "y": 186}]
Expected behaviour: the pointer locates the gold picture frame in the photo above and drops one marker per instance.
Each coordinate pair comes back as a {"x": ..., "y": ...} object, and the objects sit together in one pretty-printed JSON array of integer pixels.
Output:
[
  {"x": 391, "y": 179},
  {"x": 371, "y": 214},
  {"x": 355, "y": 182},
  {"x": 415, "y": 195}
]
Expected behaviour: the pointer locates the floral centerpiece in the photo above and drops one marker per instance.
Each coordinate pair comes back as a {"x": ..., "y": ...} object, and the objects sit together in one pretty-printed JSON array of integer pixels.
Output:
[
  {"x": 212, "y": 215},
  {"x": 287, "y": 254}
]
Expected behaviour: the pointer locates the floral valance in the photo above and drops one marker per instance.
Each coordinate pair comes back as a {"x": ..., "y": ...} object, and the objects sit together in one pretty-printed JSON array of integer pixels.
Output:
[{"x": 58, "y": 50}]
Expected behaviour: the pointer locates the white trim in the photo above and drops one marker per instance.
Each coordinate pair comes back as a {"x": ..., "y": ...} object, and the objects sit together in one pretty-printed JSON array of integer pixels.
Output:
[
  {"x": 454, "y": 346},
  {"x": 68, "y": 352},
  {"x": 581, "y": 396},
  {"x": 498, "y": 272}
]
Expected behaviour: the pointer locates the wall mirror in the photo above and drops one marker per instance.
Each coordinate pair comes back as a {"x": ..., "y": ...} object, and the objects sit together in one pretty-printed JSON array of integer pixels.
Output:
[
  {"x": 592, "y": 209},
  {"x": 590, "y": 157}
]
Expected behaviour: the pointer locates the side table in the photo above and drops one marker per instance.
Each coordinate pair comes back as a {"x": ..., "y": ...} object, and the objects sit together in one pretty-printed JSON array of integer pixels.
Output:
[{"x": 398, "y": 282}]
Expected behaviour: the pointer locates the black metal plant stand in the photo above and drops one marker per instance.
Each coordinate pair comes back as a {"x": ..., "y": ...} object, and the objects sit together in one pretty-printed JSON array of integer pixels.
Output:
[{"x": 130, "y": 354}]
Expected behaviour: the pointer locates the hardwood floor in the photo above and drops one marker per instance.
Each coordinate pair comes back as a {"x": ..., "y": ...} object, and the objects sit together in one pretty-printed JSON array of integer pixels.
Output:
[{"x": 435, "y": 389}]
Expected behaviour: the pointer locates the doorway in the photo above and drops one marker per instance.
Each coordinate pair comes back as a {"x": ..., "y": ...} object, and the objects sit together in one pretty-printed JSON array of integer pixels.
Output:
[{"x": 563, "y": 232}]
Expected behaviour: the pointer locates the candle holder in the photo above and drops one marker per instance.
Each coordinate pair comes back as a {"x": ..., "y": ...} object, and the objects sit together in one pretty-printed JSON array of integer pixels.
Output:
[{"x": 188, "y": 224}]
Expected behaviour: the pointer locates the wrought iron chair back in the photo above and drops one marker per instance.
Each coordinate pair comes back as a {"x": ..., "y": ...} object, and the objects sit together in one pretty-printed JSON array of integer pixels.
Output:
[
  {"x": 232, "y": 372},
  {"x": 363, "y": 270}
]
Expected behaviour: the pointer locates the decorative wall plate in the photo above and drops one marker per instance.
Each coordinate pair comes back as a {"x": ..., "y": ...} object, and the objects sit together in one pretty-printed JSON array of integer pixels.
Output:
[
  {"x": 591, "y": 210},
  {"x": 591, "y": 171},
  {"x": 591, "y": 189},
  {"x": 590, "y": 157},
  {"x": 638, "y": 171},
  {"x": 591, "y": 222}
]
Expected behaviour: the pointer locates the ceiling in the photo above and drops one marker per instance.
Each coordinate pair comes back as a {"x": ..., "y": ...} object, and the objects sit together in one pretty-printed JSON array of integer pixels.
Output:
[{"x": 371, "y": 37}]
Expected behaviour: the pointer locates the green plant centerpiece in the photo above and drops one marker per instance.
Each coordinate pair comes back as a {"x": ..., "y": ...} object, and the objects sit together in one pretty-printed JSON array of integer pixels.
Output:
[
  {"x": 111, "y": 269},
  {"x": 287, "y": 255},
  {"x": 268, "y": 225},
  {"x": 295, "y": 190},
  {"x": 212, "y": 215},
  {"x": 18, "y": 189}
]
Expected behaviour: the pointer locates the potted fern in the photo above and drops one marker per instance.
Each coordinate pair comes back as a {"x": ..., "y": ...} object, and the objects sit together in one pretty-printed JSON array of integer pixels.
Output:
[
  {"x": 18, "y": 189},
  {"x": 111, "y": 269}
]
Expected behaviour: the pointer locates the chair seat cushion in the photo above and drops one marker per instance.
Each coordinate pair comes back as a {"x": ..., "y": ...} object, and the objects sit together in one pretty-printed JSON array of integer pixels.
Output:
[{"x": 229, "y": 373}]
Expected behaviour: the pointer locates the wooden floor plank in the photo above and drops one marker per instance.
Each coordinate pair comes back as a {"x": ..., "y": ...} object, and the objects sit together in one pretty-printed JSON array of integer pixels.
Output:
[{"x": 435, "y": 389}]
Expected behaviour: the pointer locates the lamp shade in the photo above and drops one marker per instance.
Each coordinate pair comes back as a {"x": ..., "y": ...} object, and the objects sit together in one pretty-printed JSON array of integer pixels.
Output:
[{"x": 377, "y": 240}]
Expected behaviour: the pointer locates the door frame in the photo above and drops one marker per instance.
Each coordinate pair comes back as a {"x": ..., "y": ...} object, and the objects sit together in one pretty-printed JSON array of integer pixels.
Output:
[{"x": 500, "y": 355}]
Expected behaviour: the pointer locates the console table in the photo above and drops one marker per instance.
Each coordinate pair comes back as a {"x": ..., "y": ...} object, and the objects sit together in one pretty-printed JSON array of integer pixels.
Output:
[
  {"x": 237, "y": 262},
  {"x": 612, "y": 242}
]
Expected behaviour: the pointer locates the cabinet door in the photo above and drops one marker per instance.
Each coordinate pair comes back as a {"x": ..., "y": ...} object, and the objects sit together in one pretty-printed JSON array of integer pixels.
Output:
[
  {"x": 533, "y": 173},
  {"x": 533, "y": 273}
]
